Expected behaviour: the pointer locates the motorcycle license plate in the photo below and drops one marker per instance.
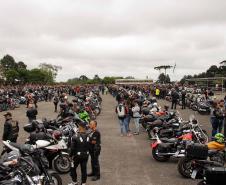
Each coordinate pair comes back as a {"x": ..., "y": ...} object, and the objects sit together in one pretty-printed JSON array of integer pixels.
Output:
[{"x": 194, "y": 173}]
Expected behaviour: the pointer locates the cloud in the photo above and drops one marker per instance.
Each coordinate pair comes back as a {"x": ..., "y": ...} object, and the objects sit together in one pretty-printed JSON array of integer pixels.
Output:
[{"x": 114, "y": 37}]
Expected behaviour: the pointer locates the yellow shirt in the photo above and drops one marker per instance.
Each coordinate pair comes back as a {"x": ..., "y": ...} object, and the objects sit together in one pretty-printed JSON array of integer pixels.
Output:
[{"x": 157, "y": 92}]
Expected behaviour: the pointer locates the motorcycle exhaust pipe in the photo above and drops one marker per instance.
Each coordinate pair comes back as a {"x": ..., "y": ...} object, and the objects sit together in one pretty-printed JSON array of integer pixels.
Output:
[{"x": 165, "y": 153}]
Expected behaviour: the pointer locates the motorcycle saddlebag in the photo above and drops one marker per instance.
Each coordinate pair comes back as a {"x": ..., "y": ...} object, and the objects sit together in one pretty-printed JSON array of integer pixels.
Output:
[
  {"x": 166, "y": 132},
  {"x": 164, "y": 148},
  {"x": 197, "y": 151},
  {"x": 29, "y": 128},
  {"x": 215, "y": 175}
]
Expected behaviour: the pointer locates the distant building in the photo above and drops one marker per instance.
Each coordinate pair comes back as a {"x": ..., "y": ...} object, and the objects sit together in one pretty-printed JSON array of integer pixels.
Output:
[
  {"x": 223, "y": 63},
  {"x": 133, "y": 81}
]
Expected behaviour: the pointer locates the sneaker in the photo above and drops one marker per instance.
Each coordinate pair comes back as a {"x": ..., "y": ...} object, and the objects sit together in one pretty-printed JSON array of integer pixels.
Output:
[{"x": 129, "y": 135}]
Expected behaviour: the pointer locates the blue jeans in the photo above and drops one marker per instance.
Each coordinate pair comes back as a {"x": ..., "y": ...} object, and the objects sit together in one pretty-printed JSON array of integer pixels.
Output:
[
  {"x": 122, "y": 126},
  {"x": 127, "y": 121},
  {"x": 137, "y": 124}
]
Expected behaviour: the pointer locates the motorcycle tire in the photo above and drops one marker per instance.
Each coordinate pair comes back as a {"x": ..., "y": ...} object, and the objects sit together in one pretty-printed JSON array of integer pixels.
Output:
[
  {"x": 194, "y": 108},
  {"x": 92, "y": 116},
  {"x": 97, "y": 111},
  {"x": 158, "y": 157},
  {"x": 182, "y": 169},
  {"x": 56, "y": 179},
  {"x": 62, "y": 164}
]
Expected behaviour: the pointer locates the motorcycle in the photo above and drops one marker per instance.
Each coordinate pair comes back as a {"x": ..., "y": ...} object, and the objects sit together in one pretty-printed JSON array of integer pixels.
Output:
[
  {"x": 197, "y": 157},
  {"x": 163, "y": 149},
  {"x": 30, "y": 167}
]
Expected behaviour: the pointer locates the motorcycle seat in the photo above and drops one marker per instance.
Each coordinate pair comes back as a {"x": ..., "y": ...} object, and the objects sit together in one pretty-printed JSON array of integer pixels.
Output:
[
  {"x": 171, "y": 140},
  {"x": 24, "y": 148}
]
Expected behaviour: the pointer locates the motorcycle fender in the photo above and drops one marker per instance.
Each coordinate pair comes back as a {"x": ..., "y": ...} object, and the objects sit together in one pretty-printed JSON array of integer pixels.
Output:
[
  {"x": 58, "y": 155},
  {"x": 154, "y": 145}
]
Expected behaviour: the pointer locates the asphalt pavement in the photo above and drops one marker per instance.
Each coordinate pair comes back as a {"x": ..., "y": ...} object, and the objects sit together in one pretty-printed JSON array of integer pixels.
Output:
[{"x": 123, "y": 160}]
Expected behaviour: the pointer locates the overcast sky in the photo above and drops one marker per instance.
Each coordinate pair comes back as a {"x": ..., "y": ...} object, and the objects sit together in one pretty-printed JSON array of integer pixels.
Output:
[{"x": 115, "y": 37}]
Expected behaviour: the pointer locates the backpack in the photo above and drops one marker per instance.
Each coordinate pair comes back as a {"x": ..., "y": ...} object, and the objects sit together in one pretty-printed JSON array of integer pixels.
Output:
[{"x": 121, "y": 110}]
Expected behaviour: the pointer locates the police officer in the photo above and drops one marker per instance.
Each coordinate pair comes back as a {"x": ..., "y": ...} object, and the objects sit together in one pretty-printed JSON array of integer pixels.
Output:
[
  {"x": 80, "y": 144},
  {"x": 95, "y": 148},
  {"x": 11, "y": 128}
]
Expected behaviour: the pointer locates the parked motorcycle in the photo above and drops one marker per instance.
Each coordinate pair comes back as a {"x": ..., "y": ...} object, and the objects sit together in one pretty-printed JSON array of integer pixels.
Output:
[{"x": 30, "y": 167}]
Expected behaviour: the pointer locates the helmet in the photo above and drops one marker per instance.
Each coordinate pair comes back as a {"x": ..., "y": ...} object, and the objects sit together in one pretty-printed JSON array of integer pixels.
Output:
[{"x": 219, "y": 138}]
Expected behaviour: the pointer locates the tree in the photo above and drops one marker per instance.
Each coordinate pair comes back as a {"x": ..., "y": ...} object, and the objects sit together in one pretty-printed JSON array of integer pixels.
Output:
[
  {"x": 21, "y": 65},
  {"x": 37, "y": 76},
  {"x": 164, "y": 78},
  {"x": 183, "y": 80},
  {"x": 52, "y": 70},
  {"x": 8, "y": 63},
  {"x": 109, "y": 80},
  {"x": 129, "y": 77},
  {"x": 11, "y": 75},
  {"x": 83, "y": 78},
  {"x": 96, "y": 77}
]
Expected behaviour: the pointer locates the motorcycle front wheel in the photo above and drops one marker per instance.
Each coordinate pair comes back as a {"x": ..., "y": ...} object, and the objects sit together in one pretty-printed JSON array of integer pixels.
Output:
[
  {"x": 56, "y": 179},
  {"x": 62, "y": 163}
]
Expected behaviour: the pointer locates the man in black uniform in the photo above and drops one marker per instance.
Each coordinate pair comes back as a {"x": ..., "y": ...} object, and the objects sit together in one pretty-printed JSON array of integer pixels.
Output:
[
  {"x": 11, "y": 128},
  {"x": 80, "y": 153},
  {"x": 95, "y": 148}
]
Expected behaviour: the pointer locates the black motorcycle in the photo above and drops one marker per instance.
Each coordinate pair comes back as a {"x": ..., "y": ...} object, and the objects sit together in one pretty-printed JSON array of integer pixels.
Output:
[
  {"x": 30, "y": 168},
  {"x": 197, "y": 158}
]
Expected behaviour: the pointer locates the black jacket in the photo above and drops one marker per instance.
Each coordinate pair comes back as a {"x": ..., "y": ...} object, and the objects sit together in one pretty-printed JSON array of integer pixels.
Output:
[
  {"x": 11, "y": 130},
  {"x": 32, "y": 113},
  {"x": 175, "y": 96},
  {"x": 80, "y": 145}
]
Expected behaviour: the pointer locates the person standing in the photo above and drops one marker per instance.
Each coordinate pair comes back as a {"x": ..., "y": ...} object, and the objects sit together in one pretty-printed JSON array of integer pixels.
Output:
[
  {"x": 95, "y": 148},
  {"x": 31, "y": 113},
  {"x": 175, "y": 97},
  {"x": 157, "y": 92},
  {"x": 11, "y": 128},
  {"x": 215, "y": 117},
  {"x": 35, "y": 97},
  {"x": 136, "y": 117},
  {"x": 183, "y": 98},
  {"x": 55, "y": 102},
  {"x": 80, "y": 144},
  {"x": 121, "y": 112}
]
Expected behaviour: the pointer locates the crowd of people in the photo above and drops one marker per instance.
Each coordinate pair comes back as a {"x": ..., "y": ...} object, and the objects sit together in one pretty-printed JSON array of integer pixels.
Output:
[
  {"x": 129, "y": 96},
  {"x": 84, "y": 143}
]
